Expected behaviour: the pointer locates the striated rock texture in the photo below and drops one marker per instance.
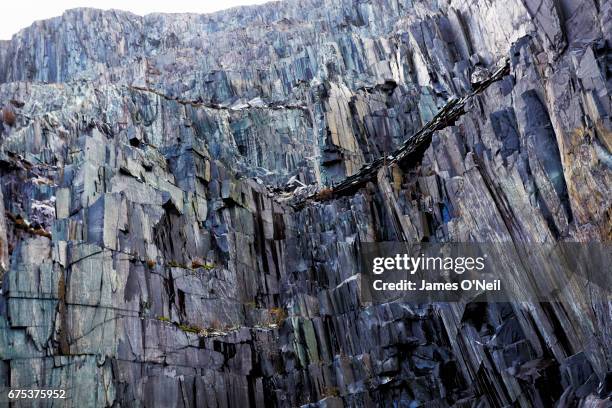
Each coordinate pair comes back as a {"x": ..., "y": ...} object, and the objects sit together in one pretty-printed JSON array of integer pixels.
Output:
[{"x": 152, "y": 250}]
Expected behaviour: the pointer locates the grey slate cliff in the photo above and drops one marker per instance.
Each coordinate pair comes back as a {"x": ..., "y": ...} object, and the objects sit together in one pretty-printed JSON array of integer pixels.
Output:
[{"x": 152, "y": 250}]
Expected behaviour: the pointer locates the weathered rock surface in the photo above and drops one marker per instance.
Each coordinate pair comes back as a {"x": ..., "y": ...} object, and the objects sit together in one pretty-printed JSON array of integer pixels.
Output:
[{"x": 151, "y": 252}]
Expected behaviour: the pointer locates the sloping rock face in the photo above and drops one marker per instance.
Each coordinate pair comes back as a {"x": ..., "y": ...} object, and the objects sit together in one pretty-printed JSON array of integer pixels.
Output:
[{"x": 150, "y": 252}]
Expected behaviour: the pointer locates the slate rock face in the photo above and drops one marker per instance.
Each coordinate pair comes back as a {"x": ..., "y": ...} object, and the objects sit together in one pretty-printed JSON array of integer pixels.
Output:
[{"x": 150, "y": 252}]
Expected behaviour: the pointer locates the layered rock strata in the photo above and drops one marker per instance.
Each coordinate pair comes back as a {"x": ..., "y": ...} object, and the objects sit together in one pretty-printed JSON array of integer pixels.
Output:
[{"x": 152, "y": 251}]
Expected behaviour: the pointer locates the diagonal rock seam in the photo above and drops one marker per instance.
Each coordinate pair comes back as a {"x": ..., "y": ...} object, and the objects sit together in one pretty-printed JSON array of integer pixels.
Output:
[{"x": 446, "y": 116}]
